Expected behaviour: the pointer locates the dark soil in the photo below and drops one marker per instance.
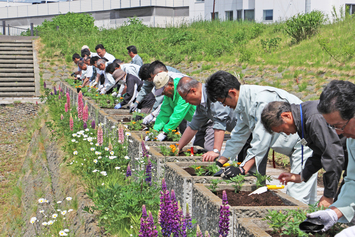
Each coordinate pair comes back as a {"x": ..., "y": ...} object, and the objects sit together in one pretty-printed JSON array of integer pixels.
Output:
[
  {"x": 268, "y": 198},
  {"x": 126, "y": 120},
  {"x": 191, "y": 171}
]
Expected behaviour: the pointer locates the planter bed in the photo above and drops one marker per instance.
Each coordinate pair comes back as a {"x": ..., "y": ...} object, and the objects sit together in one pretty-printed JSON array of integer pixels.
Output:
[
  {"x": 182, "y": 182},
  {"x": 206, "y": 206},
  {"x": 252, "y": 227}
]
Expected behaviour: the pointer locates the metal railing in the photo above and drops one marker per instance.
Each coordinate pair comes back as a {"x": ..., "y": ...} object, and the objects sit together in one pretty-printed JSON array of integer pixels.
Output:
[{"x": 11, "y": 29}]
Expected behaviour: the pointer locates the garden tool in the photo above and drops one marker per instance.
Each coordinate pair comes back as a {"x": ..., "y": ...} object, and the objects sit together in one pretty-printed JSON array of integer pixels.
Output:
[
  {"x": 311, "y": 225},
  {"x": 265, "y": 188}
]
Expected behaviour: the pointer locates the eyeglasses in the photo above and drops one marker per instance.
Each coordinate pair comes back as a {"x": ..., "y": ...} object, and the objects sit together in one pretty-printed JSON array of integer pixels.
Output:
[{"x": 338, "y": 129}]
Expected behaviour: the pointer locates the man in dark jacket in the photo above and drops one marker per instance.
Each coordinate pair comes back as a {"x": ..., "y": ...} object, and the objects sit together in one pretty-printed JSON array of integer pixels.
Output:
[
  {"x": 305, "y": 120},
  {"x": 134, "y": 85}
]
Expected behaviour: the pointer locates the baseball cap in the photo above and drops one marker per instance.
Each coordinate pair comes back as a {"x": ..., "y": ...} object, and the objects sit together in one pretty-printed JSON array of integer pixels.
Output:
[
  {"x": 84, "y": 47},
  {"x": 160, "y": 80}
]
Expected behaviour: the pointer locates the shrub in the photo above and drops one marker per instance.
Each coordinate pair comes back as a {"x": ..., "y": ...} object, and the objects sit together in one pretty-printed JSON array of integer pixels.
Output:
[{"x": 303, "y": 26}]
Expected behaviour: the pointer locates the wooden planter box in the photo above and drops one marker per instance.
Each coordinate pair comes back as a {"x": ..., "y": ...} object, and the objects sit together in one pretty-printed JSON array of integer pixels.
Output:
[{"x": 206, "y": 207}]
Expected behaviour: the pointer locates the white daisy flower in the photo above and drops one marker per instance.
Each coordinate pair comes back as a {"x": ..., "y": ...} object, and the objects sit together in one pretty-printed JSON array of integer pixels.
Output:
[
  {"x": 112, "y": 157},
  {"x": 92, "y": 148},
  {"x": 99, "y": 157},
  {"x": 84, "y": 159},
  {"x": 103, "y": 173},
  {"x": 58, "y": 210},
  {"x": 103, "y": 184},
  {"x": 112, "y": 153},
  {"x": 84, "y": 139},
  {"x": 97, "y": 153},
  {"x": 97, "y": 144},
  {"x": 107, "y": 149},
  {"x": 33, "y": 220},
  {"x": 68, "y": 198},
  {"x": 50, "y": 222},
  {"x": 117, "y": 168},
  {"x": 86, "y": 130},
  {"x": 66, "y": 230},
  {"x": 63, "y": 212},
  {"x": 44, "y": 223},
  {"x": 113, "y": 127},
  {"x": 94, "y": 171},
  {"x": 130, "y": 140},
  {"x": 70, "y": 210},
  {"x": 74, "y": 135},
  {"x": 59, "y": 202},
  {"x": 89, "y": 139},
  {"x": 41, "y": 200},
  {"x": 41, "y": 211},
  {"x": 126, "y": 126},
  {"x": 73, "y": 140},
  {"x": 128, "y": 134},
  {"x": 62, "y": 233},
  {"x": 91, "y": 143},
  {"x": 147, "y": 147},
  {"x": 55, "y": 215},
  {"x": 82, "y": 164},
  {"x": 75, "y": 153},
  {"x": 85, "y": 136},
  {"x": 46, "y": 201},
  {"x": 126, "y": 157},
  {"x": 95, "y": 161}
]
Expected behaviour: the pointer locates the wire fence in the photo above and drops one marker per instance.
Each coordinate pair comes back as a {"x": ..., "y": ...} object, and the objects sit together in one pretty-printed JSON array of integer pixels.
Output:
[{"x": 7, "y": 29}]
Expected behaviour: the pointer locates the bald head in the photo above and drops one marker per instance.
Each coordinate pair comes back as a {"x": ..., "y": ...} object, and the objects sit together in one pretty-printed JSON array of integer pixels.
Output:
[{"x": 187, "y": 83}]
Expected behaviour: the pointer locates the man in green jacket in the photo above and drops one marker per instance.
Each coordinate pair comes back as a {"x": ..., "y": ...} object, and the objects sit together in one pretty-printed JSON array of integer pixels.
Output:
[{"x": 174, "y": 108}]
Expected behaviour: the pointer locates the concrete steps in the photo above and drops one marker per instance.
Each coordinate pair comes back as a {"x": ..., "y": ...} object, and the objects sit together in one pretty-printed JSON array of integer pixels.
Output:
[{"x": 17, "y": 69}]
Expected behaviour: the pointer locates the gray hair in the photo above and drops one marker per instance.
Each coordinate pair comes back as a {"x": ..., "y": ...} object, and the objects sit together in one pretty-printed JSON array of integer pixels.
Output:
[
  {"x": 185, "y": 87},
  {"x": 271, "y": 115},
  {"x": 81, "y": 63},
  {"x": 100, "y": 61}
]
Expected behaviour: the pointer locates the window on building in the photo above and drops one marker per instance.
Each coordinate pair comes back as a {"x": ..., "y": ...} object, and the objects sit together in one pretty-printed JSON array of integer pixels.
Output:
[
  {"x": 239, "y": 15},
  {"x": 268, "y": 15},
  {"x": 229, "y": 15},
  {"x": 249, "y": 15},
  {"x": 199, "y": 0},
  {"x": 350, "y": 8},
  {"x": 215, "y": 15}
]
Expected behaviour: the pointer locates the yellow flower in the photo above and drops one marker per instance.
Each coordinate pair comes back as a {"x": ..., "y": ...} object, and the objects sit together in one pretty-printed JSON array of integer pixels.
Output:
[
  {"x": 239, "y": 163},
  {"x": 121, "y": 98},
  {"x": 173, "y": 130},
  {"x": 169, "y": 129},
  {"x": 97, "y": 95},
  {"x": 177, "y": 133},
  {"x": 146, "y": 132},
  {"x": 198, "y": 167},
  {"x": 133, "y": 122}
]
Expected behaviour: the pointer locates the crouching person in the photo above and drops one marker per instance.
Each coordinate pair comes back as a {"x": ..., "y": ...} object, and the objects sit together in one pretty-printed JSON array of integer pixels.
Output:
[
  {"x": 134, "y": 85},
  {"x": 305, "y": 120}
]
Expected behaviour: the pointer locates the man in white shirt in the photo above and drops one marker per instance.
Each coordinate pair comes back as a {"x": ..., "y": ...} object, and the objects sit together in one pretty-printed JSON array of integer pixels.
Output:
[
  {"x": 109, "y": 81},
  {"x": 101, "y": 51}
]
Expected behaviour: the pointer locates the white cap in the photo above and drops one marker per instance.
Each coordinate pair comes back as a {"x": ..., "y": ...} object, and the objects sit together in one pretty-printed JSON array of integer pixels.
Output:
[
  {"x": 84, "y": 47},
  {"x": 160, "y": 80}
]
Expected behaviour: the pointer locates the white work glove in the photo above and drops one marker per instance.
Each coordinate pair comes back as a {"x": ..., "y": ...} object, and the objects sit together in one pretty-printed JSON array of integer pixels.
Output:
[
  {"x": 133, "y": 107},
  {"x": 348, "y": 232},
  {"x": 161, "y": 136},
  {"x": 147, "y": 138},
  {"x": 328, "y": 218},
  {"x": 114, "y": 94},
  {"x": 149, "y": 118},
  {"x": 119, "y": 95},
  {"x": 94, "y": 84}
]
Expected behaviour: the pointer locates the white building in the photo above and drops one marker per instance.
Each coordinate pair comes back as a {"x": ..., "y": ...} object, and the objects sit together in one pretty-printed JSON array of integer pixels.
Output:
[
  {"x": 262, "y": 10},
  {"x": 162, "y": 13}
]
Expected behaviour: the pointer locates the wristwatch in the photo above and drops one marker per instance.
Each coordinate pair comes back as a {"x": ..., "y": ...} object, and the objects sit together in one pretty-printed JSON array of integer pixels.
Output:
[{"x": 216, "y": 151}]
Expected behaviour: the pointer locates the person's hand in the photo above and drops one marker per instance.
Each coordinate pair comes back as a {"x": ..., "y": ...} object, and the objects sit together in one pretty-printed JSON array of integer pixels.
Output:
[
  {"x": 94, "y": 84},
  {"x": 327, "y": 217},
  {"x": 232, "y": 171},
  {"x": 289, "y": 177},
  {"x": 149, "y": 118},
  {"x": 118, "y": 106},
  {"x": 209, "y": 156},
  {"x": 325, "y": 201},
  {"x": 147, "y": 138},
  {"x": 114, "y": 94},
  {"x": 161, "y": 136},
  {"x": 133, "y": 107},
  {"x": 73, "y": 74}
]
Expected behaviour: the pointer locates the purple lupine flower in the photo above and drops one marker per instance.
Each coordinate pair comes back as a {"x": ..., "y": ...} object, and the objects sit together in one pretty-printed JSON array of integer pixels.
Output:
[
  {"x": 44, "y": 85},
  {"x": 55, "y": 90},
  {"x": 148, "y": 173},
  {"x": 175, "y": 215},
  {"x": 224, "y": 216},
  {"x": 145, "y": 152},
  {"x": 85, "y": 126},
  {"x": 154, "y": 232},
  {"x": 128, "y": 172},
  {"x": 198, "y": 231},
  {"x": 165, "y": 211},
  {"x": 188, "y": 218},
  {"x": 51, "y": 93},
  {"x": 93, "y": 124},
  {"x": 144, "y": 230},
  {"x": 59, "y": 97}
]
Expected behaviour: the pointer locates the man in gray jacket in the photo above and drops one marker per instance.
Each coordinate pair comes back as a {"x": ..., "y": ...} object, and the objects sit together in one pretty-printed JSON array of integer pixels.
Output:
[
  {"x": 209, "y": 122},
  {"x": 248, "y": 101},
  {"x": 305, "y": 120}
]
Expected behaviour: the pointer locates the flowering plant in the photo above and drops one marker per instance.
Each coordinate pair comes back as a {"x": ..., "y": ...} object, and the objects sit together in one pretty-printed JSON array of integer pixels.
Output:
[
  {"x": 135, "y": 125},
  {"x": 152, "y": 134},
  {"x": 173, "y": 135},
  {"x": 169, "y": 151}
]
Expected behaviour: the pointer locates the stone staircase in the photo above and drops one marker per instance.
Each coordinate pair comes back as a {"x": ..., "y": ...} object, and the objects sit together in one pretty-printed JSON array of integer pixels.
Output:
[{"x": 18, "y": 68}]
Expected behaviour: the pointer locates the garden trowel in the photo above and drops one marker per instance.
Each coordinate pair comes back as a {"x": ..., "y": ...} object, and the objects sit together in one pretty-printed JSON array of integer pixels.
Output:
[{"x": 265, "y": 188}]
